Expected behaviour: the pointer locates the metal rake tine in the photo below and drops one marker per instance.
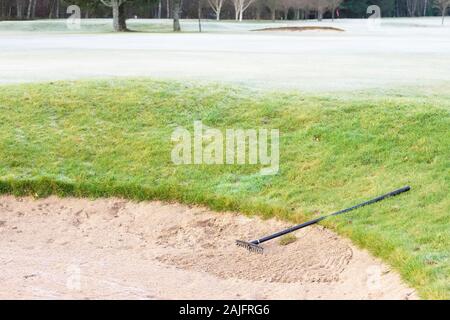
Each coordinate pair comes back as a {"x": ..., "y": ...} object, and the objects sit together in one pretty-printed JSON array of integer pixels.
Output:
[{"x": 251, "y": 247}]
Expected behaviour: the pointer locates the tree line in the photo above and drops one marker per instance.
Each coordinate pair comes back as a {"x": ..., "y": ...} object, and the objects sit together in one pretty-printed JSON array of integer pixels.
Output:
[{"x": 218, "y": 9}]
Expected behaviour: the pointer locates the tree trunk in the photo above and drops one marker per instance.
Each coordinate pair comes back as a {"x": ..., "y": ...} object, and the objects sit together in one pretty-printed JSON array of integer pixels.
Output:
[
  {"x": 33, "y": 10},
  {"x": 333, "y": 13},
  {"x": 119, "y": 17},
  {"x": 19, "y": 8},
  {"x": 50, "y": 11},
  {"x": 176, "y": 15},
  {"x": 30, "y": 7},
  {"x": 199, "y": 14},
  {"x": 168, "y": 9},
  {"x": 443, "y": 15},
  {"x": 241, "y": 14},
  {"x": 218, "y": 13},
  {"x": 273, "y": 13},
  {"x": 123, "y": 18},
  {"x": 115, "y": 8},
  {"x": 411, "y": 6},
  {"x": 159, "y": 9},
  {"x": 319, "y": 15},
  {"x": 57, "y": 9}
]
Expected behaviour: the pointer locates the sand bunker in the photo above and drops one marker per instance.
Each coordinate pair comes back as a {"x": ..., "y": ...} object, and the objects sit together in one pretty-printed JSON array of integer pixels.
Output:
[
  {"x": 311, "y": 28},
  {"x": 111, "y": 248},
  {"x": 317, "y": 256}
]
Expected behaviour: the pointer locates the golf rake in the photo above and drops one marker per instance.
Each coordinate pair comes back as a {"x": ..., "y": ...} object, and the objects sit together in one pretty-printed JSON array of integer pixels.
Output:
[{"x": 254, "y": 246}]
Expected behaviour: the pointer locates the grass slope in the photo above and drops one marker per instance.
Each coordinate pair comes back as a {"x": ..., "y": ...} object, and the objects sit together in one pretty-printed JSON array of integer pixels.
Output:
[{"x": 112, "y": 138}]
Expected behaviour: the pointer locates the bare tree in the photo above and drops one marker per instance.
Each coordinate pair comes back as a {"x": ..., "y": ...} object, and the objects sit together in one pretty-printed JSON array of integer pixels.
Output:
[
  {"x": 176, "y": 13},
  {"x": 272, "y": 6},
  {"x": 31, "y": 9},
  {"x": 411, "y": 6},
  {"x": 306, "y": 6},
  {"x": 20, "y": 5},
  {"x": 119, "y": 19},
  {"x": 216, "y": 5},
  {"x": 199, "y": 14},
  {"x": 321, "y": 7},
  {"x": 159, "y": 9},
  {"x": 239, "y": 8},
  {"x": 334, "y": 5},
  {"x": 284, "y": 6},
  {"x": 424, "y": 4},
  {"x": 51, "y": 8},
  {"x": 443, "y": 6}
]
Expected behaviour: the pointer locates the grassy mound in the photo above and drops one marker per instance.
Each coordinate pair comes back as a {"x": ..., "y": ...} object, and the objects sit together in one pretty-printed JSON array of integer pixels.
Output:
[{"x": 113, "y": 138}]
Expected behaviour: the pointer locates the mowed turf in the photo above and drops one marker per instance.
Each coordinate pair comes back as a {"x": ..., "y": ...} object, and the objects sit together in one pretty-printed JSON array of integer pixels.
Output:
[{"x": 113, "y": 138}]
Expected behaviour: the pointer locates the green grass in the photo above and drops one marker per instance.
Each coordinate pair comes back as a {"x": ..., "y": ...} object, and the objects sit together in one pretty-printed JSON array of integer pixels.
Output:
[
  {"x": 112, "y": 138},
  {"x": 287, "y": 239}
]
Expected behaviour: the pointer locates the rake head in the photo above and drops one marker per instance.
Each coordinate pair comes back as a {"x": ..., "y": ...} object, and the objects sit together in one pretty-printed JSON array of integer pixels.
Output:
[{"x": 250, "y": 246}]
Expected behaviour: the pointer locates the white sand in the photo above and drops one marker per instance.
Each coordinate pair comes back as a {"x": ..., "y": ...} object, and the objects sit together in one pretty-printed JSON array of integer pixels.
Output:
[{"x": 71, "y": 248}]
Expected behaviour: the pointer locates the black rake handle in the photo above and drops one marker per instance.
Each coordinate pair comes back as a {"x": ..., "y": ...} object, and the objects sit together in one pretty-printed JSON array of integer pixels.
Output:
[{"x": 308, "y": 223}]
